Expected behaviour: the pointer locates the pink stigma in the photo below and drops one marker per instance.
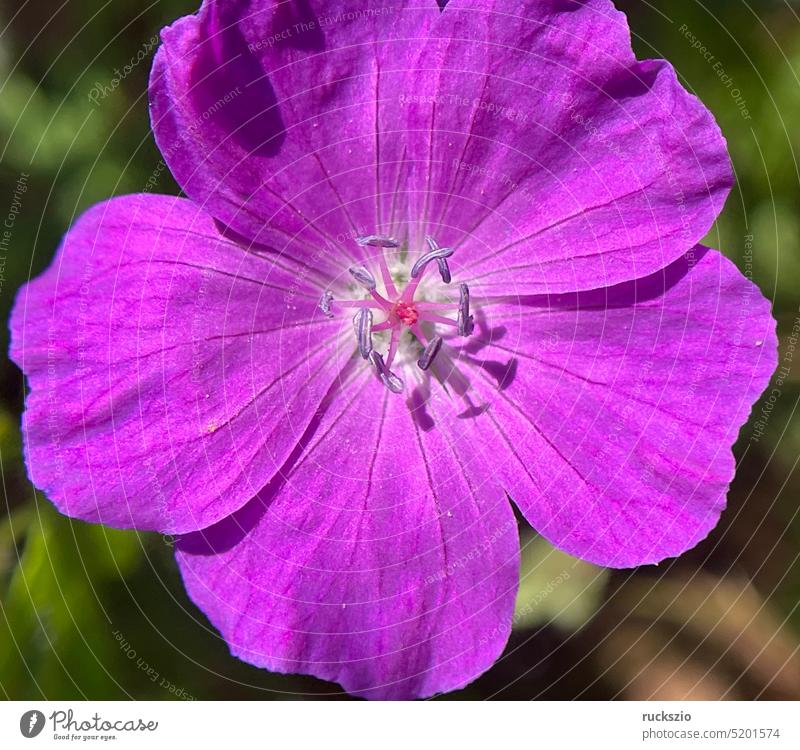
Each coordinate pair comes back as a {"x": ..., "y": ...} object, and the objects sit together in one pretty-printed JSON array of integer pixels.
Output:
[{"x": 407, "y": 312}]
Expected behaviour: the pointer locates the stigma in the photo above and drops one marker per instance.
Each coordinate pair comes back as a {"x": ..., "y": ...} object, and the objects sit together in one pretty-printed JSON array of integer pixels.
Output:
[{"x": 396, "y": 313}]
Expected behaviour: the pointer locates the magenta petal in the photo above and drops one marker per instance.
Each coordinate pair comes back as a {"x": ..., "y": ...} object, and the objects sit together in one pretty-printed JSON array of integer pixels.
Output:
[
  {"x": 171, "y": 371},
  {"x": 556, "y": 161},
  {"x": 617, "y": 409},
  {"x": 282, "y": 118},
  {"x": 373, "y": 562}
]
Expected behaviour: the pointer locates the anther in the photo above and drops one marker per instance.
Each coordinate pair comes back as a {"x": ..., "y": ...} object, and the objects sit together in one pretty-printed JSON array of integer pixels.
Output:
[
  {"x": 466, "y": 323},
  {"x": 431, "y": 350},
  {"x": 388, "y": 378},
  {"x": 363, "y": 277},
  {"x": 444, "y": 269},
  {"x": 377, "y": 240},
  {"x": 362, "y": 322},
  {"x": 435, "y": 253},
  {"x": 325, "y": 303}
]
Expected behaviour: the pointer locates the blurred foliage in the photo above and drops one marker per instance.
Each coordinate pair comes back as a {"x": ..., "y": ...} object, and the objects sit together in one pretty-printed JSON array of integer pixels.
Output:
[
  {"x": 556, "y": 588},
  {"x": 92, "y": 612},
  {"x": 52, "y": 605}
]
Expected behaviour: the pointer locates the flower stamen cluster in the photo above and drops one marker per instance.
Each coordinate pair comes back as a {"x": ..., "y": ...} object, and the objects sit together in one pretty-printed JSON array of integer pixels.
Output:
[{"x": 400, "y": 308}]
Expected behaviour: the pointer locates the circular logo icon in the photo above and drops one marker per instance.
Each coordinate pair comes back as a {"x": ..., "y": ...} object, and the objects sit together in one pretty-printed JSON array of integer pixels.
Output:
[{"x": 31, "y": 723}]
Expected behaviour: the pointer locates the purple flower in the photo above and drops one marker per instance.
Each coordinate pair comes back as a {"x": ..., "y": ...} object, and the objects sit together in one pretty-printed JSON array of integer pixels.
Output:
[{"x": 428, "y": 261}]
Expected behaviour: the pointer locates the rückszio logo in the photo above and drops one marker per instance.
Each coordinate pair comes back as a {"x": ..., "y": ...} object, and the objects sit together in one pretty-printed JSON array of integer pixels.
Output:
[{"x": 31, "y": 723}]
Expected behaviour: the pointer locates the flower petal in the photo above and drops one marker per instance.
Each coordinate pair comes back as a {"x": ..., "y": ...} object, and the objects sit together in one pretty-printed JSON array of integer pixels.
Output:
[
  {"x": 371, "y": 562},
  {"x": 611, "y": 414},
  {"x": 278, "y": 117},
  {"x": 557, "y": 162},
  {"x": 171, "y": 371}
]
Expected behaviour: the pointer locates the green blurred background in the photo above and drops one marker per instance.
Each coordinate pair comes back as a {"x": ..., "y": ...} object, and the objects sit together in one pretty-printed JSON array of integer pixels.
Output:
[{"x": 87, "y": 612}]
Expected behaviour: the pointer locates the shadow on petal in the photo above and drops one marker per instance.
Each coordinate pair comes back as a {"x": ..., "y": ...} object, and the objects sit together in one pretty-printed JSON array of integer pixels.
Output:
[
  {"x": 627, "y": 293},
  {"x": 418, "y": 407},
  {"x": 503, "y": 372},
  {"x": 300, "y": 14},
  {"x": 229, "y": 84}
]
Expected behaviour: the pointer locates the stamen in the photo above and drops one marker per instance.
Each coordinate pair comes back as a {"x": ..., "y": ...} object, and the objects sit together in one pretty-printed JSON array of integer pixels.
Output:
[
  {"x": 393, "y": 342},
  {"x": 388, "y": 281},
  {"x": 440, "y": 319},
  {"x": 363, "y": 277},
  {"x": 466, "y": 323},
  {"x": 325, "y": 303},
  {"x": 431, "y": 350},
  {"x": 435, "y": 305},
  {"x": 444, "y": 269},
  {"x": 388, "y": 378},
  {"x": 377, "y": 240},
  {"x": 362, "y": 322},
  {"x": 401, "y": 310},
  {"x": 359, "y": 303},
  {"x": 435, "y": 253}
]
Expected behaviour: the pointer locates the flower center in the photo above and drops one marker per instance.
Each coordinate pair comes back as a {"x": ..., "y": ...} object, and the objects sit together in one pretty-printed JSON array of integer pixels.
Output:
[
  {"x": 400, "y": 310},
  {"x": 407, "y": 312}
]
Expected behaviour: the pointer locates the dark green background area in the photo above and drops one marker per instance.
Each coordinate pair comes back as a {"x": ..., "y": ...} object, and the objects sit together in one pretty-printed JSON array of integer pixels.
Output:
[{"x": 97, "y": 613}]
